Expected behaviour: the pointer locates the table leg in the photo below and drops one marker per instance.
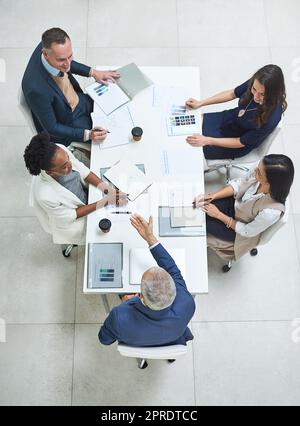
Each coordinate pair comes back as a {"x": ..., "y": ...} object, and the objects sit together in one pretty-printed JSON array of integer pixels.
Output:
[{"x": 105, "y": 303}]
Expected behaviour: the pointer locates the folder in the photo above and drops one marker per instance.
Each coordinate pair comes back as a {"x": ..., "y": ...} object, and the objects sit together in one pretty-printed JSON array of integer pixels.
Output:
[
  {"x": 114, "y": 95},
  {"x": 132, "y": 80}
]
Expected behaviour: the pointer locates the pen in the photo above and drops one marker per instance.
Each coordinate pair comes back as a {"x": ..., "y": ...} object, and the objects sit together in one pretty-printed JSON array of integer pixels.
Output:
[
  {"x": 121, "y": 212},
  {"x": 95, "y": 129}
]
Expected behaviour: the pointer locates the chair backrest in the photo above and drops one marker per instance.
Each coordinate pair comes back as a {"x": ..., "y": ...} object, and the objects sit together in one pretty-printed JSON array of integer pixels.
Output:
[
  {"x": 264, "y": 148},
  {"x": 159, "y": 352},
  {"x": 250, "y": 159},
  {"x": 26, "y": 111},
  {"x": 267, "y": 235}
]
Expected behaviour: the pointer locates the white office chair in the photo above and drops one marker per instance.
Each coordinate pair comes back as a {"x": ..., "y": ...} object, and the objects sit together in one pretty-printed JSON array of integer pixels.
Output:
[
  {"x": 26, "y": 111},
  {"x": 24, "y": 108},
  {"x": 28, "y": 117},
  {"x": 169, "y": 353},
  {"x": 248, "y": 161},
  {"x": 267, "y": 235}
]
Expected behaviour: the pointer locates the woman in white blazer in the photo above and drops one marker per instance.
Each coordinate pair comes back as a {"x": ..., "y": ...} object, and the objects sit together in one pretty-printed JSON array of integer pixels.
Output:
[{"x": 59, "y": 190}]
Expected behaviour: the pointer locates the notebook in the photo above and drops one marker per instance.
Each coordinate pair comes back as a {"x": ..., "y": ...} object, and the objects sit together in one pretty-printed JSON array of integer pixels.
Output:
[
  {"x": 105, "y": 263},
  {"x": 128, "y": 178},
  {"x": 114, "y": 95},
  {"x": 141, "y": 259}
]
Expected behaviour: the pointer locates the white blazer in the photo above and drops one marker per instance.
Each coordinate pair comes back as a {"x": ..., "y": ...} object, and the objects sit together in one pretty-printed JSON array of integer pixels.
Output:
[{"x": 55, "y": 206}]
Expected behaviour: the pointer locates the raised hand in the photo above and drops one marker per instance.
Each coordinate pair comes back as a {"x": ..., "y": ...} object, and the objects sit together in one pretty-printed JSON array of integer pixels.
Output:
[{"x": 144, "y": 228}]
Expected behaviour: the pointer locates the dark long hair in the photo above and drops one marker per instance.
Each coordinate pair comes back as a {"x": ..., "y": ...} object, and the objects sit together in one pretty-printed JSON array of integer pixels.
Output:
[
  {"x": 271, "y": 77},
  {"x": 279, "y": 171},
  {"x": 39, "y": 153}
]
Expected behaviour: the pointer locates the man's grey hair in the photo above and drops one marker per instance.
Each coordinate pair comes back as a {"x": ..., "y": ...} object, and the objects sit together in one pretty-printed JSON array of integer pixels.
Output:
[{"x": 160, "y": 291}]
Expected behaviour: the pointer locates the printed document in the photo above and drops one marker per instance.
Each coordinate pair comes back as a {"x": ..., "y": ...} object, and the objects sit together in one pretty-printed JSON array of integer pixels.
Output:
[
  {"x": 109, "y": 98},
  {"x": 181, "y": 161},
  {"x": 141, "y": 259},
  {"x": 119, "y": 124},
  {"x": 125, "y": 176}
]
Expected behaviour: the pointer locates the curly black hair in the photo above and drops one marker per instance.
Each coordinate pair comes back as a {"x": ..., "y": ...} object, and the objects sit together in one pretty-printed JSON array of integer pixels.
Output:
[{"x": 39, "y": 153}]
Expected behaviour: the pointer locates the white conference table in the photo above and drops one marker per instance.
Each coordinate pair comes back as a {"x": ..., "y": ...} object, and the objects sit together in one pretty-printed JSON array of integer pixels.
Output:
[{"x": 148, "y": 151}]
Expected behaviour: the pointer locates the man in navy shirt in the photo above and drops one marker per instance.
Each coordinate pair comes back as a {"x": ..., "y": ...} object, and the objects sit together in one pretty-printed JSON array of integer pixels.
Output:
[{"x": 160, "y": 315}]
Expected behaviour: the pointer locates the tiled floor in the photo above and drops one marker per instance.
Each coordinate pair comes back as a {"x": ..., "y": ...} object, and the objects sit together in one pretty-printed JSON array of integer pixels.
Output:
[{"x": 243, "y": 351}]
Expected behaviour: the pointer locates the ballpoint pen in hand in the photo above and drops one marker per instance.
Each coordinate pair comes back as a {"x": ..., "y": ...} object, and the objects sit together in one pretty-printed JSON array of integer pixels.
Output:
[{"x": 96, "y": 129}]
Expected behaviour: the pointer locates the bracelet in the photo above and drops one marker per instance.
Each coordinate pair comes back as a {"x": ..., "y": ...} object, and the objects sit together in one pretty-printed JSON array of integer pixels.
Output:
[{"x": 229, "y": 222}]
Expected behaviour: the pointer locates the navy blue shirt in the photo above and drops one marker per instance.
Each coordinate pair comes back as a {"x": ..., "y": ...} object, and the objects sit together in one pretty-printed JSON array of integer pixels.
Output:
[
  {"x": 227, "y": 124},
  {"x": 244, "y": 127}
]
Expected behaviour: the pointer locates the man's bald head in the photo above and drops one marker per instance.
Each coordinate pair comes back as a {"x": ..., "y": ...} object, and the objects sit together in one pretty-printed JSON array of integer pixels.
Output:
[{"x": 158, "y": 288}]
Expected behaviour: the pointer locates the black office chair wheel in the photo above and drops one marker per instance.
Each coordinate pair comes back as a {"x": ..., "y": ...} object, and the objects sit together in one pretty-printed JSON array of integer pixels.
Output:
[
  {"x": 143, "y": 365},
  {"x": 254, "y": 252},
  {"x": 226, "y": 268},
  {"x": 66, "y": 253},
  {"x": 170, "y": 361}
]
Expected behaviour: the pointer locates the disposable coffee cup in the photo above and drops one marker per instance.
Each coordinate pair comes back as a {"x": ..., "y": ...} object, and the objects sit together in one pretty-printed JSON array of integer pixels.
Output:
[
  {"x": 105, "y": 225},
  {"x": 137, "y": 133}
]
